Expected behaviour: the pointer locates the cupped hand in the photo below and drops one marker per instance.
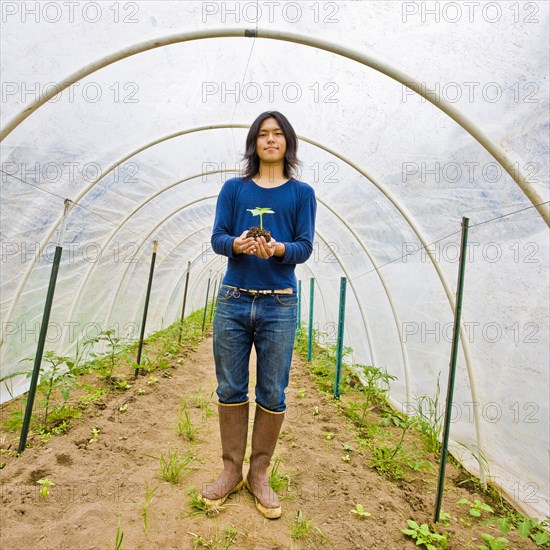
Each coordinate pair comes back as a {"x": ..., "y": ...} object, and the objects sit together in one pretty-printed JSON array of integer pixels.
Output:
[
  {"x": 264, "y": 249},
  {"x": 244, "y": 244}
]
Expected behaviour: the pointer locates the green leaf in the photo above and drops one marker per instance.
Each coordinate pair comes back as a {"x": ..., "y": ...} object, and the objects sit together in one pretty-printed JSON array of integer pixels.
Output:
[
  {"x": 474, "y": 512},
  {"x": 541, "y": 538},
  {"x": 524, "y": 527},
  {"x": 504, "y": 525}
]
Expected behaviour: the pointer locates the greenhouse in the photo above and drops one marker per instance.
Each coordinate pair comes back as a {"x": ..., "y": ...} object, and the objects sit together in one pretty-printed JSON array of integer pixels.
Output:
[{"x": 417, "y": 408}]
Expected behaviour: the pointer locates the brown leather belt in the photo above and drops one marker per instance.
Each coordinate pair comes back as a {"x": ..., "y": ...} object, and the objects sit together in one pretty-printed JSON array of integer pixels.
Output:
[{"x": 251, "y": 291}]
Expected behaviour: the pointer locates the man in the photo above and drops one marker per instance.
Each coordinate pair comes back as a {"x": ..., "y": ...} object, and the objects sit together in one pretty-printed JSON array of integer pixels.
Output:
[{"x": 257, "y": 303}]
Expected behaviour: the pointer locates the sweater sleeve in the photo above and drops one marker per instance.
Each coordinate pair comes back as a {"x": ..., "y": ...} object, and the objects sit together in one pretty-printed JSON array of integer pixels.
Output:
[
  {"x": 299, "y": 250},
  {"x": 222, "y": 237}
]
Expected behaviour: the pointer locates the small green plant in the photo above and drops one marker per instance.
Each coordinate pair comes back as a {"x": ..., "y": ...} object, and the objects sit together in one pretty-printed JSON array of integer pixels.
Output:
[
  {"x": 430, "y": 420},
  {"x": 185, "y": 427},
  {"x": 328, "y": 436},
  {"x": 423, "y": 535},
  {"x": 526, "y": 527},
  {"x": 149, "y": 494},
  {"x": 302, "y": 527},
  {"x": 198, "y": 505},
  {"x": 172, "y": 467},
  {"x": 360, "y": 511},
  {"x": 301, "y": 394},
  {"x": 221, "y": 541},
  {"x": 95, "y": 435},
  {"x": 492, "y": 543},
  {"x": 476, "y": 507},
  {"x": 119, "y": 536},
  {"x": 377, "y": 383},
  {"x": 260, "y": 212},
  {"x": 346, "y": 458},
  {"x": 444, "y": 519},
  {"x": 45, "y": 485},
  {"x": 277, "y": 480}
]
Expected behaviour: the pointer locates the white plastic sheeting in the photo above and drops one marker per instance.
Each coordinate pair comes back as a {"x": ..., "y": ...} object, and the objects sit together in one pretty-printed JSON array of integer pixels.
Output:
[{"x": 142, "y": 146}]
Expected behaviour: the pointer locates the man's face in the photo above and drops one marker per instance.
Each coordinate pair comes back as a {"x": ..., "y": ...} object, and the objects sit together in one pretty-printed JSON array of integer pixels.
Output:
[{"x": 271, "y": 142}]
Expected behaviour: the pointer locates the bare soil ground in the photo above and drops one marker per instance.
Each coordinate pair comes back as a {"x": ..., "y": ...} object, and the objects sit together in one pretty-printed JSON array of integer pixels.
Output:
[{"x": 97, "y": 483}]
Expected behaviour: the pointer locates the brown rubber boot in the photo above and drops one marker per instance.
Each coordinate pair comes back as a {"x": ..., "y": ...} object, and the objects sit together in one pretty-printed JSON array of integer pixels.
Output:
[
  {"x": 267, "y": 426},
  {"x": 233, "y": 421}
]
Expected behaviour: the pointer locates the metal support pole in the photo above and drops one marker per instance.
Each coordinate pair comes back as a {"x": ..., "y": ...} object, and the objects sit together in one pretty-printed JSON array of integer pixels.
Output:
[
  {"x": 206, "y": 301},
  {"x": 299, "y": 312},
  {"x": 340, "y": 343},
  {"x": 310, "y": 328},
  {"x": 184, "y": 300},
  {"x": 43, "y": 331},
  {"x": 452, "y": 369},
  {"x": 146, "y": 307},
  {"x": 213, "y": 299}
]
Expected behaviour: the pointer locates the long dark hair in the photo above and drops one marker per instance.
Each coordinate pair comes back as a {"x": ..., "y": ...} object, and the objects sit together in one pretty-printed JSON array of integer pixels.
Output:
[{"x": 251, "y": 157}]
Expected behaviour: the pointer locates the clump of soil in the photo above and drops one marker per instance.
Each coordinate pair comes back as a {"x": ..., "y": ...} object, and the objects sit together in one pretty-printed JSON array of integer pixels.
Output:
[{"x": 258, "y": 232}]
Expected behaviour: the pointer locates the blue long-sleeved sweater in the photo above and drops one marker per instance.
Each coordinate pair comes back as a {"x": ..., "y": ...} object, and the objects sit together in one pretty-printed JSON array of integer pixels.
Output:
[{"x": 292, "y": 223}]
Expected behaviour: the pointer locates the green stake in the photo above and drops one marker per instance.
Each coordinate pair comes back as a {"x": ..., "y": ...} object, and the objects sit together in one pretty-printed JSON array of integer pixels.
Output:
[
  {"x": 340, "y": 343},
  {"x": 452, "y": 369},
  {"x": 310, "y": 328}
]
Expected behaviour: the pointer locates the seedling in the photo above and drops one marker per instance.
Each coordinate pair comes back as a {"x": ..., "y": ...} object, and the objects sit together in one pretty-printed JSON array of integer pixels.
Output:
[
  {"x": 149, "y": 494},
  {"x": 423, "y": 535},
  {"x": 347, "y": 447},
  {"x": 346, "y": 458},
  {"x": 171, "y": 467},
  {"x": 199, "y": 506},
  {"x": 492, "y": 543},
  {"x": 119, "y": 536},
  {"x": 45, "y": 485},
  {"x": 185, "y": 427},
  {"x": 302, "y": 527},
  {"x": 259, "y": 231},
  {"x": 328, "y": 436},
  {"x": 95, "y": 435},
  {"x": 302, "y": 394},
  {"x": 444, "y": 519},
  {"x": 221, "y": 541},
  {"x": 278, "y": 481},
  {"x": 476, "y": 507},
  {"x": 360, "y": 512}
]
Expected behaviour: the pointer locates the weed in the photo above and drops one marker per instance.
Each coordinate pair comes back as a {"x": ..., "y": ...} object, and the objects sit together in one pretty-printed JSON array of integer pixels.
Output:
[
  {"x": 278, "y": 481},
  {"x": 198, "y": 505},
  {"x": 219, "y": 541},
  {"x": 172, "y": 467},
  {"x": 302, "y": 527},
  {"x": 185, "y": 427},
  {"x": 422, "y": 534},
  {"x": 149, "y": 494},
  {"x": 430, "y": 420},
  {"x": 119, "y": 536}
]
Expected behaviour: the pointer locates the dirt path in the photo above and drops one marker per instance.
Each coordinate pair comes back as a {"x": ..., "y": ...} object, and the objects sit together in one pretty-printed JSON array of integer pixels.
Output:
[{"x": 97, "y": 482}]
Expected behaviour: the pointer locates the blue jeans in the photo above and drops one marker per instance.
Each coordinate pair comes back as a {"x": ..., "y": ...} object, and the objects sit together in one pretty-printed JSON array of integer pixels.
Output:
[{"x": 269, "y": 322}]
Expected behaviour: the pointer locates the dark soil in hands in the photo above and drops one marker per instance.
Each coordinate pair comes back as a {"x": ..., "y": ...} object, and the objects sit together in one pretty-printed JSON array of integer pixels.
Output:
[{"x": 257, "y": 232}]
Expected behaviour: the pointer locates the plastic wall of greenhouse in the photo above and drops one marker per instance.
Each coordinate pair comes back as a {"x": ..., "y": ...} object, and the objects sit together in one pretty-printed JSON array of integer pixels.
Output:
[{"x": 410, "y": 116}]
